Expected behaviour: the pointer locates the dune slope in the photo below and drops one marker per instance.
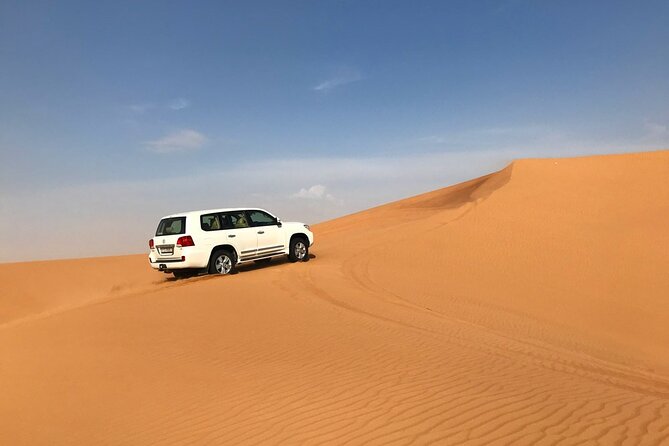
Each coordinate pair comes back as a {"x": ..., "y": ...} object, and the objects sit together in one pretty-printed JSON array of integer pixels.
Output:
[{"x": 528, "y": 306}]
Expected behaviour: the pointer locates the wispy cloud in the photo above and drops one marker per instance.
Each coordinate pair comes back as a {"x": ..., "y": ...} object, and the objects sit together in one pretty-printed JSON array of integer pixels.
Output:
[
  {"x": 175, "y": 104},
  {"x": 181, "y": 141},
  {"x": 179, "y": 104},
  {"x": 343, "y": 77},
  {"x": 315, "y": 192}
]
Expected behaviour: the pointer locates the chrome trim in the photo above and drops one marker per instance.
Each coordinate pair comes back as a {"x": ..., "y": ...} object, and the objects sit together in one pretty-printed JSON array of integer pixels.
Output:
[
  {"x": 166, "y": 260},
  {"x": 261, "y": 251},
  {"x": 271, "y": 247},
  {"x": 262, "y": 254}
]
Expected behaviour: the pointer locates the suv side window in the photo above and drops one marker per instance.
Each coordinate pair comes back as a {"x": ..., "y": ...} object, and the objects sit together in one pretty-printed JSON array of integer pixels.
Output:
[
  {"x": 215, "y": 222},
  {"x": 237, "y": 219},
  {"x": 260, "y": 218},
  {"x": 225, "y": 221},
  {"x": 210, "y": 222}
]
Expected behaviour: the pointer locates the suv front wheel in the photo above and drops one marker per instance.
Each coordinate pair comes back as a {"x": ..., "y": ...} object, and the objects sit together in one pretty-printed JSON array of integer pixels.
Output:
[{"x": 299, "y": 250}]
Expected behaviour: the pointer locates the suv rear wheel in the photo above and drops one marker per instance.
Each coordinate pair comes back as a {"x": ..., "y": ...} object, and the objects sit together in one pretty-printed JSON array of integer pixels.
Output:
[
  {"x": 299, "y": 250},
  {"x": 222, "y": 262}
]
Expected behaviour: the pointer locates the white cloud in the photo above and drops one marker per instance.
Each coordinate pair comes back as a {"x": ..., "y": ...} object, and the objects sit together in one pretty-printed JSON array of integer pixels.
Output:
[
  {"x": 343, "y": 77},
  {"x": 181, "y": 141},
  {"x": 179, "y": 104},
  {"x": 175, "y": 104},
  {"x": 316, "y": 192}
]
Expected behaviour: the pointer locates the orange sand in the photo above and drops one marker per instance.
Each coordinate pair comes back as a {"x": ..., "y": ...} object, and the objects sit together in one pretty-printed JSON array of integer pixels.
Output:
[{"x": 530, "y": 306}]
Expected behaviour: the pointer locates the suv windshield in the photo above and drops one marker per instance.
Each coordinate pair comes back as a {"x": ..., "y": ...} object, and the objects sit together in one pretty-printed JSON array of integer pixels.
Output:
[{"x": 170, "y": 226}]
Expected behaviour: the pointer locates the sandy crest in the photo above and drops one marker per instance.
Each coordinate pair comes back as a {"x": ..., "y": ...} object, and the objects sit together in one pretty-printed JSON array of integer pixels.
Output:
[{"x": 525, "y": 307}]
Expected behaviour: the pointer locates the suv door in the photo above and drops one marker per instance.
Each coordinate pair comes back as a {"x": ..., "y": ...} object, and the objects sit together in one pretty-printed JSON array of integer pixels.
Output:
[
  {"x": 240, "y": 233},
  {"x": 215, "y": 227},
  {"x": 269, "y": 234}
]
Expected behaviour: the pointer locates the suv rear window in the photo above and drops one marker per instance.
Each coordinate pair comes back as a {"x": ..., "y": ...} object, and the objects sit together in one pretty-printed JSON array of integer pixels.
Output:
[{"x": 171, "y": 226}]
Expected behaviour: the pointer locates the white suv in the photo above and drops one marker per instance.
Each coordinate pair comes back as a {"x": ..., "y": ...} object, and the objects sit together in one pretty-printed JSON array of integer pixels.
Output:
[{"x": 218, "y": 240}]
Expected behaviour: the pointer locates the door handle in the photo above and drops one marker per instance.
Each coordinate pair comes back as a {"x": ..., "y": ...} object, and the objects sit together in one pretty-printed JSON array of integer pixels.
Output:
[
  {"x": 261, "y": 232},
  {"x": 232, "y": 235}
]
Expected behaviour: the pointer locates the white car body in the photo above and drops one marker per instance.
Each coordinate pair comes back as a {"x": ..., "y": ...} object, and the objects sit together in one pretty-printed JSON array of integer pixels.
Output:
[{"x": 215, "y": 229}]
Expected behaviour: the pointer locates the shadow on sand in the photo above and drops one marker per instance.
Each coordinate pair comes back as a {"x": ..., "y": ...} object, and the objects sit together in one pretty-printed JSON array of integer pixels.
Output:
[{"x": 247, "y": 267}]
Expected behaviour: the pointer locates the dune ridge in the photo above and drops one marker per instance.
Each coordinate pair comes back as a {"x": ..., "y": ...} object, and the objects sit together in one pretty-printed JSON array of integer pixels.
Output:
[{"x": 528, "y": 306}]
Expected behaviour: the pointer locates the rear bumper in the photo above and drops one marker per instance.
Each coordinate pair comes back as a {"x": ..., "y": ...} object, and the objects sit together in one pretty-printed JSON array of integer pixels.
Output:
[{"x": 183, "y": 259}]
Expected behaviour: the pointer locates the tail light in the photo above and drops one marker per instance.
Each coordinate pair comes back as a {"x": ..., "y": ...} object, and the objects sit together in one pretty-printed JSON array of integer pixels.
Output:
[
  {"x": 184, "y": 241},
  {"x": 151, "y": 244}
]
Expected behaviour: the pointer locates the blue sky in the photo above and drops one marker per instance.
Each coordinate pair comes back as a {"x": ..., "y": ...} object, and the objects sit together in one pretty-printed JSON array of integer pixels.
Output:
[{"x": 114, "y": 114}]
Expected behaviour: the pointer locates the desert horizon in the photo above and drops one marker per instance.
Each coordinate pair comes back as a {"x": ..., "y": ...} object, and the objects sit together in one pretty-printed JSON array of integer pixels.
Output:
[{"x": 526, "y": 306}]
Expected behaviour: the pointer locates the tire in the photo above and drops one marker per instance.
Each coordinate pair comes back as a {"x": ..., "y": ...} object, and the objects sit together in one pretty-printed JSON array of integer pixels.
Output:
[
  {"x": 262, "y": 261},
  {"x": 222, "y": 262},
  {"x": 299, "y": 250}
]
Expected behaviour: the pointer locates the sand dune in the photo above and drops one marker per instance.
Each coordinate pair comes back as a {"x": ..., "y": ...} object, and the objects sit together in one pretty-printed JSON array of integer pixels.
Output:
[{"x": 528, "y": 306}]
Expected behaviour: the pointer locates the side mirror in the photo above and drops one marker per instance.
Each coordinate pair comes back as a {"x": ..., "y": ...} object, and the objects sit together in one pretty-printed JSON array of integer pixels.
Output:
[{"x": 278, "y": 222}]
